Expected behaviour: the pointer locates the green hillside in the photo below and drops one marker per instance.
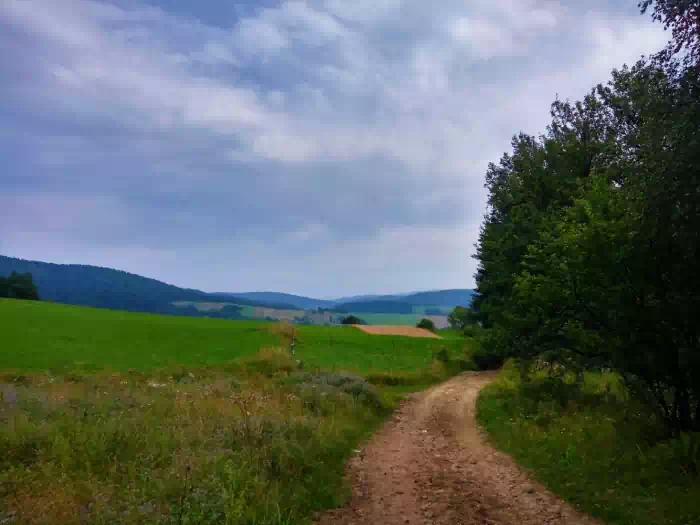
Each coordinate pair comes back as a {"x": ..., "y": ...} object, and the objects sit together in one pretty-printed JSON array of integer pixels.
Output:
[
  {"x": 297, "y": 301},
  {"x": 376, "y": 307},
  {"x": 114, "y": 289},
  {"x": 449, "y": 298}
]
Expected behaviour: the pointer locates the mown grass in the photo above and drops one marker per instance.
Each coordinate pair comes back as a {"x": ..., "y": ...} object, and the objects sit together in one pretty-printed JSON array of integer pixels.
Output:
[
  {"x": 595, "y": 447},
  {"x": 44, "y": 336},
  {"x": 111, "y": 417}
]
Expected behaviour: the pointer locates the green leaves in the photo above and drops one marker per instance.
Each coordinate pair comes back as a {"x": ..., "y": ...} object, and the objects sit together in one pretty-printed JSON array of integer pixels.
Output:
[{"x": 589, "y": 252}]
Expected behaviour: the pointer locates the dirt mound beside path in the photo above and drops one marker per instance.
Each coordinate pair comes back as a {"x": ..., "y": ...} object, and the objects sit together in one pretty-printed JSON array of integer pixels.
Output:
[
  {"x": 410, "y": 331},
  {"x": 430, "y": 465}
]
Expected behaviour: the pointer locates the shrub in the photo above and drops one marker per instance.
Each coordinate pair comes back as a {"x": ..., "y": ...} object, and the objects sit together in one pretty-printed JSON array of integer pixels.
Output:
[
  {"x": 350, "y": 384},
  {"x": 442, "y": 355},
  {"x": 426, "y": 324},
  {"x": 352, "y": 319},
  {"x": 486, "y": 360}
]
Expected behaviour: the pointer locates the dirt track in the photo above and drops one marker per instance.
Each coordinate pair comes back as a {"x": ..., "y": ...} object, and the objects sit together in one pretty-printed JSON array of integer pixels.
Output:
[{"x": 431, "y": 465}]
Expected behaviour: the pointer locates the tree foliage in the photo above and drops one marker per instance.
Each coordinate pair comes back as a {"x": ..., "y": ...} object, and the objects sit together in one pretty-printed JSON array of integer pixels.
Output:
[
  {"x": 114, "y": 289},
  {"x": 18, "y": 286},
  {"x": 588, "y": 254},
  {"x": 426, "y": 324},
  {"x": 460, "y": 317},
  {"x": 352, "y": 319},
  {"x": 683, "y": 18}
]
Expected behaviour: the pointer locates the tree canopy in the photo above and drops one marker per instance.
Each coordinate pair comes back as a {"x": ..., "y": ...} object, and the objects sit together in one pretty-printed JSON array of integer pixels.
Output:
[
  {"x": 351, "y": 319},
  {"x": 426, "y": 324},
  {"x": 18, "y": 286},
  {"x": 589, "y": 251}
]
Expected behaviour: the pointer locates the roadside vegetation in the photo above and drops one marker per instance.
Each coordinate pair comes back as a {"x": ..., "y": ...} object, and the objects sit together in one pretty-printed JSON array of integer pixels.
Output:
[
  {"x": 595, "y": 445},
  {"x": 588, "y": 288},
  {"x": 120, "y": 418}
]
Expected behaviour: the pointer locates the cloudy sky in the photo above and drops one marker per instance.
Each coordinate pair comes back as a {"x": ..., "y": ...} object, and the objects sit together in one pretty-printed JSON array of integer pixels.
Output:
[{"x": 321, "y": 147}]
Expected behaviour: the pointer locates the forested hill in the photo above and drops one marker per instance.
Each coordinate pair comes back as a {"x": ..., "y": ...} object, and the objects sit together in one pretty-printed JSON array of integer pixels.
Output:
[
  {"x": 108, "y": 288},
  {"x": 456, "y": 297},
  {"x": 378, "y": 307},
  {"x": 297, "y": 301}
]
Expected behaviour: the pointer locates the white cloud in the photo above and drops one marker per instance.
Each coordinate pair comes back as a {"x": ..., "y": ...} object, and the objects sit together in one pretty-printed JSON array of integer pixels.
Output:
[{"x": 376, "y": 117}]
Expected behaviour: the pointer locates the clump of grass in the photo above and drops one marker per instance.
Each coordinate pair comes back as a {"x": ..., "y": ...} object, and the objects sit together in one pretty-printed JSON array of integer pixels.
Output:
[
  {"x": 592, "y": 444},
  {"x": 270, "y": 361}
]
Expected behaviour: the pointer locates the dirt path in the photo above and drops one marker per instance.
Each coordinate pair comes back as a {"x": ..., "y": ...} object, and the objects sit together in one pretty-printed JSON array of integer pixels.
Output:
[{"x": 431, "y": 465}]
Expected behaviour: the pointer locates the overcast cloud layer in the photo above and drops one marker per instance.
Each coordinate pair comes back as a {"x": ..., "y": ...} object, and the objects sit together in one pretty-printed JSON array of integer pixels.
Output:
[{"x": 322, "y": 147}]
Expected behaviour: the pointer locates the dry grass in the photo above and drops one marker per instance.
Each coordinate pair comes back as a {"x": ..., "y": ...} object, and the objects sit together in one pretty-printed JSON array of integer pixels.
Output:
[{"x": 410, "y": 331}]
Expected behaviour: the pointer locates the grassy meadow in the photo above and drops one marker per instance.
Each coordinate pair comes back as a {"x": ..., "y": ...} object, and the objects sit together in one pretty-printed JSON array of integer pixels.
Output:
[
  {"x": 55, "y": 337},
  {"x": 595, "y": 447},
  {"x": 114, "y": 417}
]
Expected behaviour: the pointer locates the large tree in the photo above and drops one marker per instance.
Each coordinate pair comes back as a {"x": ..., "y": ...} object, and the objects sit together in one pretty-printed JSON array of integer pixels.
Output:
[{"x": 588, "y": 256}]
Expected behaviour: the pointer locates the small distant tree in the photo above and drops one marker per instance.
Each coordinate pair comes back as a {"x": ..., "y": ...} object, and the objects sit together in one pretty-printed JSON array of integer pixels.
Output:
[
  {"x": 19, "y": 286},
  {"x": 460, "y": 317},
  {"x": 427, "y": 324},
  {"x": 351, "y": 319}
]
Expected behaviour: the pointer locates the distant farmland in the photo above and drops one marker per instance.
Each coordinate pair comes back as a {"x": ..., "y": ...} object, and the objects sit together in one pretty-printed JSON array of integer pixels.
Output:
[{"x": 323, "y": 317}]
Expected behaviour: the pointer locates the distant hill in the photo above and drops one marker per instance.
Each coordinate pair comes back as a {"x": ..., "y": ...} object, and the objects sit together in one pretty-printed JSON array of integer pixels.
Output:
[
  {"x": 297, "y": 301},
  {"x": 452, "y": 298},
  {"x": 115, "y": 289},
  {"x": 455, "y": 297},
  {"x": 370, "y": 297},
  {"x": 376, "y": 307}
]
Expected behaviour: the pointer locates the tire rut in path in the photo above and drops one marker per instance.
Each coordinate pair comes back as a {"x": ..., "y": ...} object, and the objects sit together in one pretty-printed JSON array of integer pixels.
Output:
[{"x": 430, "y": 465}]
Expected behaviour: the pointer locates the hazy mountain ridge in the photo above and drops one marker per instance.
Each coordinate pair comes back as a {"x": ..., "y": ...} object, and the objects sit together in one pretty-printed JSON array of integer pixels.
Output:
[{"x": 101, "y": 287}]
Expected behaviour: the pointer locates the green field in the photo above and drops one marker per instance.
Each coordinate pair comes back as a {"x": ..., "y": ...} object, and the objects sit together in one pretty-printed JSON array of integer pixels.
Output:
[
  {"x": 111, "y": 417},
  {"x": 44, "y": 336}
]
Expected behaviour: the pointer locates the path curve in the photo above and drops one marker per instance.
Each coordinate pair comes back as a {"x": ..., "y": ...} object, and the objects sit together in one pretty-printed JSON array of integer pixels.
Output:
[{"x": 430, "y": 465}]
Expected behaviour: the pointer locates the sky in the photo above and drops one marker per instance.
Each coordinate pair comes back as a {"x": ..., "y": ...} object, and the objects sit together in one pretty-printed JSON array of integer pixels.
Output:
[{"x": 319, "y": 147}]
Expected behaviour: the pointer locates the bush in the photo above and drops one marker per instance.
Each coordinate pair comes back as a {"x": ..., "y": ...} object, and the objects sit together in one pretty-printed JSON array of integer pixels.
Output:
[
  {"x": 426, "y": 324},
  {"x": 351, "y": 319},
  {"x": 486, "y": 360},
  {"x": 350, "y": 384},
  {"x": 442, "y": 355}
]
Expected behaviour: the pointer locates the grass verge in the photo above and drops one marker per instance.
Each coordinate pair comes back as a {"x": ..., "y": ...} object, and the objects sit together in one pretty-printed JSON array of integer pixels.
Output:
[{"x": 595, "y": 447}]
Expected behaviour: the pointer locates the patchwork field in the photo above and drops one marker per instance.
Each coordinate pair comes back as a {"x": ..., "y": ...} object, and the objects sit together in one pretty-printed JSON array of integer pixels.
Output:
[{"x": 324, "y": 318}]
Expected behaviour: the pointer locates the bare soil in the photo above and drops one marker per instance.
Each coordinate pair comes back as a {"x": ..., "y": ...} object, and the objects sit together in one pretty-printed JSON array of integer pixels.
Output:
[
  {"x": 410, "y": 331},
  {"x": 431, "y": 465}
]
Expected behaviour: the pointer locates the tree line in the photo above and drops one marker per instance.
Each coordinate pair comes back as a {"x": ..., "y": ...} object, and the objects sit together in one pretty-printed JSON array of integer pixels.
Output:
[
  {"x": 18, "y": 286},
  {"x": 589, "y": 252}
]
